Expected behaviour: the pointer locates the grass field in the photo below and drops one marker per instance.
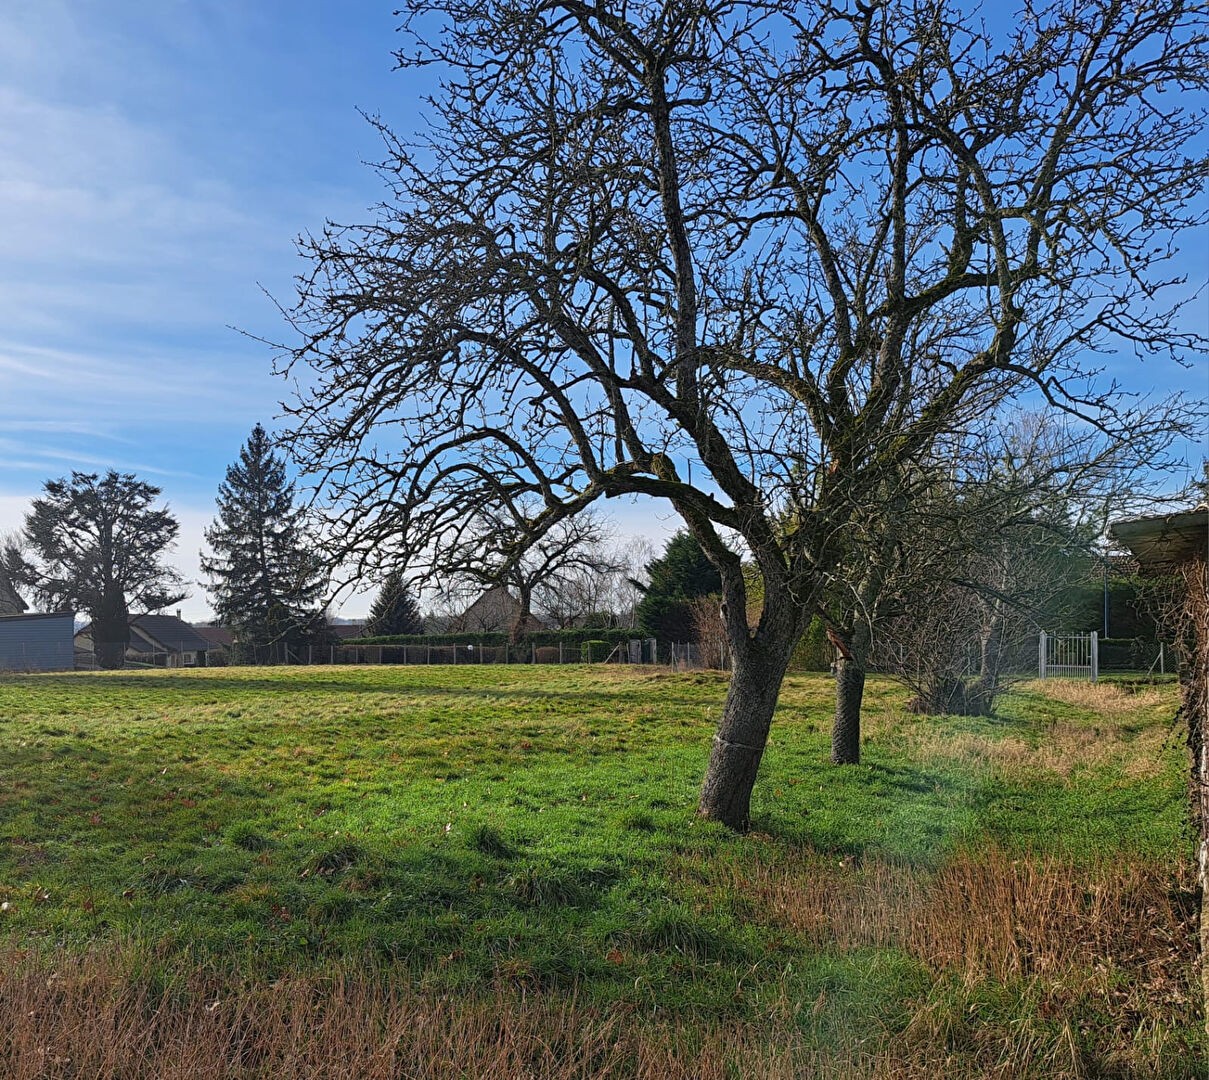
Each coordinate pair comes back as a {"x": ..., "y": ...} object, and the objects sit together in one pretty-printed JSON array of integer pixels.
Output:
[{"x": 437, "y": 872}]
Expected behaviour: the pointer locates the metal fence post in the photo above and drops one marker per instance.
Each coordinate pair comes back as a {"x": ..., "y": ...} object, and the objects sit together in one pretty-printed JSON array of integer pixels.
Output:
[
  {"x": 1095, "y": 656},
  {"x": 1041, "y": 657}
]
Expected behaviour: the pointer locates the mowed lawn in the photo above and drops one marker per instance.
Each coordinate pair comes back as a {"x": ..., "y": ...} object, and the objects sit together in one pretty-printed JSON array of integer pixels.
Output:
[{"x": 499, "y": 869}]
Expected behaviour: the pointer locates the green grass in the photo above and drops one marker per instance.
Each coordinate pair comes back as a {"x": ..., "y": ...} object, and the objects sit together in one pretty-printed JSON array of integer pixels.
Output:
[{"x": 530, "y": 827}]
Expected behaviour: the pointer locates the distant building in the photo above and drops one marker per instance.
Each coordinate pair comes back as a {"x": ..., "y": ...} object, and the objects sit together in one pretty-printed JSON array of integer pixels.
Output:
[
  {"x": 159, "y": 640},
  {"x": 495, "y": 611},
  {"x": 343, "y": 631},
  {"x": 37, "y": 642},
  {"x": 219, "y": 637}
]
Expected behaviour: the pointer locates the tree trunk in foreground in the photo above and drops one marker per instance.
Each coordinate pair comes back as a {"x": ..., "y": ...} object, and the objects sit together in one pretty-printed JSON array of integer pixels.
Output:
[
  {"x": 741, "y": 737},
  {"x": 849, "y": 693}
]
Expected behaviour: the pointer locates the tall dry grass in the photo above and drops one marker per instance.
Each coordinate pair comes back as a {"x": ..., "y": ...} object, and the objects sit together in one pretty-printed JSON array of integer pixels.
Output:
[
  {"x": 1114, "y": 943},
  {"x": 1110, "y": 949},
  {"x": 1103, "y": 698},
  {"x": 86, "y": 1017}
]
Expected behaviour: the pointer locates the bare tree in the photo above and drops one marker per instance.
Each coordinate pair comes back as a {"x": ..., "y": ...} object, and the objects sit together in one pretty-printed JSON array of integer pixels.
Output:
[
  {"x": 751, "y": 259},
  {"x": 584, "y": 591},
  {"x": 967, "y": 549},
  {"x": 503, "y": 550}
]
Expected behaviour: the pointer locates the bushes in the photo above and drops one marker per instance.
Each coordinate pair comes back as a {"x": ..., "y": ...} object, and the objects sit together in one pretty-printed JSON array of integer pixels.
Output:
[
  {"x": 579, "y": 636},
  {"x": 1131, "y": 654}
]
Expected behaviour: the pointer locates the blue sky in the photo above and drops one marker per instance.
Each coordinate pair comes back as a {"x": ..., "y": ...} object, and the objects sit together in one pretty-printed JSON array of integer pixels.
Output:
[{"x": 157, "y": 158}]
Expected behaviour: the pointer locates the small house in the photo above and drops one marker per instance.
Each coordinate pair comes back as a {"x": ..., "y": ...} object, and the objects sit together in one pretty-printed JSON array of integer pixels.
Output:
[
  {"x": 497, "y": 610},
  {"x": 158, "y": 641}
]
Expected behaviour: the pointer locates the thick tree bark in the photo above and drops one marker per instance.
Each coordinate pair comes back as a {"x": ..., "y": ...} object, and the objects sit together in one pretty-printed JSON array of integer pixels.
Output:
[
  {"x": 109, "y": 654},
  {"x": 742, "y": 735},
  {"x": 849, "y": 693},
  {"x": 520, "y": 624},
  {"x": 110, "y": 632}
]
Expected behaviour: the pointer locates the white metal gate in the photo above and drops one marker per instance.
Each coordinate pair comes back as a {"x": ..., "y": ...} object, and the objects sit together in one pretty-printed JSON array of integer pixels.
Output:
[{"x": 1069, "y": 656}]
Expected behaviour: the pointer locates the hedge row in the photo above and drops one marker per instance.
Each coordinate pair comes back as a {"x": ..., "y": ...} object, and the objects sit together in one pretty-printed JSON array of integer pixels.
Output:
[
  {"x": 540, "y": 637},
  {"x": 1131, "y": 654}
]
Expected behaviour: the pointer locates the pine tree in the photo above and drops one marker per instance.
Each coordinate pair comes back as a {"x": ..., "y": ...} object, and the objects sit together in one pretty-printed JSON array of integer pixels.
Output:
[
  {"x": 394, "y": 610},
  {"x": 680, "y": 575},
  {"x": 266, "y": 577}
]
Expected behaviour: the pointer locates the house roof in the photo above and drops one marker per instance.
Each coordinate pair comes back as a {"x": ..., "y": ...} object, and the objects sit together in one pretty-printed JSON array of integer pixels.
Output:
[
  {"x": 219, "y": 637},
  {"x": 169, "y": 632},
  {"x": 497, "y": 609},
  {"x": 347, "y": 630},
  {"x": 1166, "y": 540},
  {"x": 159, "y": 633}
]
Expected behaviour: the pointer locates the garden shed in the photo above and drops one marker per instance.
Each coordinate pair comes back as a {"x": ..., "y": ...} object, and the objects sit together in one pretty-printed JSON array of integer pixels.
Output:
[
  {"x": 37, "y": 642},
  {"x": 1177, "y": 546}
]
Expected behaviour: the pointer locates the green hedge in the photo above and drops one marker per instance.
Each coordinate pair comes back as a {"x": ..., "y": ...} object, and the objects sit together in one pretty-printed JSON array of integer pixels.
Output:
[
  {"x": 541, "y": 637},
  {"x": 1131, "y": 654}
]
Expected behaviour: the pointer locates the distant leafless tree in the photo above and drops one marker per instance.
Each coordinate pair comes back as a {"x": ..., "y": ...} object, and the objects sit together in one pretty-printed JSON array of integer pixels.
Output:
[
  {"x": 751, "y": 259},
  {"x": 567, "y": 558}
]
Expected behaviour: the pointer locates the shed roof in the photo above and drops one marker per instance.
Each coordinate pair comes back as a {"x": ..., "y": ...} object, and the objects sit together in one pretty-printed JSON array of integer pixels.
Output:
[{"x": 1164, "y": 541}]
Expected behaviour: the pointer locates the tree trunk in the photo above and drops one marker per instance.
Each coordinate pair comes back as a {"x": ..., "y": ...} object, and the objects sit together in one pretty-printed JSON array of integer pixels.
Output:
[
  {"x": 520, "y": 624},
  {"x": 982, "y": 693},
  {"x": 110, "y": 632},
  {"x": 109, "y": 654},
  {"x": 849, "y": 694},
  {"x": 741, "y": 737}
]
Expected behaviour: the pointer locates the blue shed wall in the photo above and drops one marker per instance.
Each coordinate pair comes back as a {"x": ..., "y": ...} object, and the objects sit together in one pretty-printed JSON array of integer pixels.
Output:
[{"x": 37, "y": 642}]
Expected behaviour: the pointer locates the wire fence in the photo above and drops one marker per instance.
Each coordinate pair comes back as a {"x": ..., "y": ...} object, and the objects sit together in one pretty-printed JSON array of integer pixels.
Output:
[
  {"x": 648, "y": 651},
  {"x": 1059, "y": 659}
]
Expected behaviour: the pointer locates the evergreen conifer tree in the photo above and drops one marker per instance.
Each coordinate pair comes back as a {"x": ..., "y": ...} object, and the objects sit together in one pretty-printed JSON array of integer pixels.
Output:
[
  {"x": 394, "y": 610},
  {"x": 265, "y": 576},
  {"x": 678, "y": 576}
]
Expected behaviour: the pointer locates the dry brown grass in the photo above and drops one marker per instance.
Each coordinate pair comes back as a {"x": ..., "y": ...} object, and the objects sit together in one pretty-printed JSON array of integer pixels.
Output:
[
  {"x": 1116, "y": 940},
  {"x": 980, "y": 916},
  {"x": 1102, "y": 698},
  {"x": 87, "y": 1017},
  {"x": 1064, "y": 748}
]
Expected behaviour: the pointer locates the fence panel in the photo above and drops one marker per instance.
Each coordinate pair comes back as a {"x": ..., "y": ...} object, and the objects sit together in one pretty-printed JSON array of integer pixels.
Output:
[{"x": 1068, "y": 656}]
